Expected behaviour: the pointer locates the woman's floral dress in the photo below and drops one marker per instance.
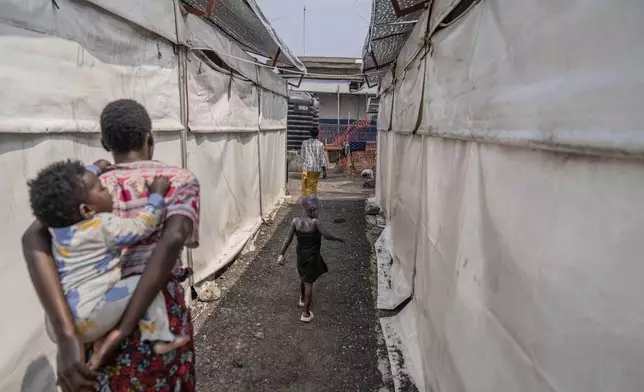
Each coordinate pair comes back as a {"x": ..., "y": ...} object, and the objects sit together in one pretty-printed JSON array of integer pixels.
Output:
[{"x": 135, "y": 367}]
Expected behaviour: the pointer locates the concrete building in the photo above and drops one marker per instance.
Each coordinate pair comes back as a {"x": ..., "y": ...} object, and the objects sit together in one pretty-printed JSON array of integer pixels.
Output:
[
  {"x": 339, "y": 103},
  {"x": 336, "y": 81}
]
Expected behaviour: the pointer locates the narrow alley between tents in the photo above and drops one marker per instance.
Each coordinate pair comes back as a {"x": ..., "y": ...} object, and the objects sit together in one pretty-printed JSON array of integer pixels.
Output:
[{"x": 252, "y": 339}]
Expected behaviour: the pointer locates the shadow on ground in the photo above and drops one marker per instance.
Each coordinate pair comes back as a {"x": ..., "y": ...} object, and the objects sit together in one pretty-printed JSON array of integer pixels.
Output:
[{"x": 253, "y": 340}]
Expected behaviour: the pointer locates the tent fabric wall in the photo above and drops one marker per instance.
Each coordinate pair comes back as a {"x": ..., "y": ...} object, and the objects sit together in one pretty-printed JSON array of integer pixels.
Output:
[
  {"x": 273, "y": 171},
  {"x": 404, "y": 213},
  {"x": 387, "y": 80},
  {"x": 266, "y": 78},
  {"x": 61, "y": 66},
  {"x": 385, "y": 111},
  {"x": 220, "y": 102},
  {"x": 524, "y": 258},
  {"x": 273, "y": 111},
  {"x": 488, "y": 79},
  {"x": 201, "y": 35},
  {"x": 414, "y": 44},
  {"x": 440, "y": 9},
  {"x": 64, "y": 72},
  {"x": 407, "y": 104},
  {"x": 226, "y": 165},
  {"x": 153, "y": 15},
  {"x": 384, "y": 171}
]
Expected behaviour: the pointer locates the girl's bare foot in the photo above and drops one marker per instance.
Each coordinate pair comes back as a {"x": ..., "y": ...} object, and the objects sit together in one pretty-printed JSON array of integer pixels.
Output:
[{"x": 162, "y": 347}]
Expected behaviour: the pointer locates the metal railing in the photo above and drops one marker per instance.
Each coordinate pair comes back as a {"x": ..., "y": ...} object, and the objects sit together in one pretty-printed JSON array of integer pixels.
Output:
[{"x": 361, "y": 130}]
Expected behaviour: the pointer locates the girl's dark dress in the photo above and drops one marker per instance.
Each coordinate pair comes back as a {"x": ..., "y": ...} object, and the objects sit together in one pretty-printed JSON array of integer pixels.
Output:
[{"x": 310, "y": 264}]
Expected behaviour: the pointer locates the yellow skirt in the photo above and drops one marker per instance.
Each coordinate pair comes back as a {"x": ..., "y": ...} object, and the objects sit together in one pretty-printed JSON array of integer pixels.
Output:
[{"x": 310, "y": 182}]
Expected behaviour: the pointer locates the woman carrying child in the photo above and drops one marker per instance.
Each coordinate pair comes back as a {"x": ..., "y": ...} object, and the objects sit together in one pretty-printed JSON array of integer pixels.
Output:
[{"x": 129, "y": 363}]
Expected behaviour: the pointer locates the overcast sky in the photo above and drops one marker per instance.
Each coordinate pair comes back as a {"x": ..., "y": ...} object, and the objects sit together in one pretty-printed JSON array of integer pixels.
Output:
[{"x": 333, "y": 27}]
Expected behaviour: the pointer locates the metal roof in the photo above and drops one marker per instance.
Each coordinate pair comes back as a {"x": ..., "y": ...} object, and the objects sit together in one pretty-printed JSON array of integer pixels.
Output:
[
  {"x": 325, "y": 68},
  {"x": 391, "y": 23},
  {"x": 245, "y": 23},
  {"x": 332, "y": 88}
]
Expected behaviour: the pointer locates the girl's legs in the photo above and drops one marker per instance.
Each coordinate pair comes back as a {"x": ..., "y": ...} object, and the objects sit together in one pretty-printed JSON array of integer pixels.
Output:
[
  {"x": 308, "y": 296},
  {"x": 301, "y": 303}
]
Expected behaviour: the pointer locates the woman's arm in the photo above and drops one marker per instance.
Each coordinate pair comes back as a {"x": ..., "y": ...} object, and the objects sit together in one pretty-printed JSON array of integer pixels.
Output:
[
  {"x": 157, "y": 271},
  {"x": 177, "y": 230},
  {"x": 36, "y": 248},
  {"x": 73, "y": 375}
]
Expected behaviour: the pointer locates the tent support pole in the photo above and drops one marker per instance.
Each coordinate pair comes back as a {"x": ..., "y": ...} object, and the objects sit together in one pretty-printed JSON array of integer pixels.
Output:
[
  {"x": 259, "y": 136},
  {"x": 183, "y": 107}
]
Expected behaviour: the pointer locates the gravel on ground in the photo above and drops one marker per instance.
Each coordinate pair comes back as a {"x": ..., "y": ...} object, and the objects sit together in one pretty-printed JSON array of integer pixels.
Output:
[{"x": 253, "y": 339}]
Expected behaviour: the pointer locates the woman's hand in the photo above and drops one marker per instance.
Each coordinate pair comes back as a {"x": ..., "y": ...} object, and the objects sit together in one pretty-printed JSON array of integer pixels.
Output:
[
  {"x": 281, "y": 260},
  {"x": 73, "y": 374}
]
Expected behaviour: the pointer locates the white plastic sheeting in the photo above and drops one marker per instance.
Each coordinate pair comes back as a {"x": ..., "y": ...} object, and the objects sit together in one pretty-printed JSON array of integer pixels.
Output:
[
  {"x": 201, "y": 35},
  {"x": 273, "y": 111},
  {"x": 524, "y": 262},
  {"x": 384, "y": 172},
  {"x": 384, "y": 112},
  {"x": 61, "y": 66},
  {"x": 551, "y": 88},
  {"x": 220, "y": 102},
  {"x": 153, "y": 15},
  {"x": 273, "y": 171},
  {"x": 409, "y": 94},
  {"x": 440, "y": 9},
  {"x": 227, "y": 168},
  {"x": 64, "y": 83},
  {"x": 414, "y": 44}
]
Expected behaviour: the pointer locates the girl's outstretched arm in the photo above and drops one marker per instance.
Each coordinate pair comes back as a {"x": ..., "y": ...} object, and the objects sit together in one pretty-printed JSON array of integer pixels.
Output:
[
  {"x": 287, "y": 242},
  {"x": 326, "y": 234}
]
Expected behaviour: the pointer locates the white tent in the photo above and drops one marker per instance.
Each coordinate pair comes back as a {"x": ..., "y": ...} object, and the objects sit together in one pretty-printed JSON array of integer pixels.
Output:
[
  {"x": 61, "y": 63},
  {"x": 510, "y": 146}
]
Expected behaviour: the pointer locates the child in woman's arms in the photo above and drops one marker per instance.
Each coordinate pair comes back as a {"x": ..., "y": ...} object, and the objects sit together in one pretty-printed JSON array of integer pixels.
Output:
[
  {"x": 87, "y": 240},
  {"x": 310, "y": 265}
]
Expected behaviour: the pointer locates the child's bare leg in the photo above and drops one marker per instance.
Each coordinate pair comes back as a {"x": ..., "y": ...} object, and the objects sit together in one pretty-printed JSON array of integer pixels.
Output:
[
  {"x": 301, "y": 293},
  {"x": 163, "y": 347},
  {"x": 308, "y": 296},
  {"x": 155, "y": 328},
  {"x": 96, "y": 346}
]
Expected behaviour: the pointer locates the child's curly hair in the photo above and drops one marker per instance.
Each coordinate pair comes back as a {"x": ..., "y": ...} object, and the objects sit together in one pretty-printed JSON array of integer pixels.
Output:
[{"x": 57, "y": 192}]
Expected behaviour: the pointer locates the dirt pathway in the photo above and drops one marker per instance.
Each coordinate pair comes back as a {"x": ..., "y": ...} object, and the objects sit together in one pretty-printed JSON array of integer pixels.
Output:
[{"x": 253, "y": 339}]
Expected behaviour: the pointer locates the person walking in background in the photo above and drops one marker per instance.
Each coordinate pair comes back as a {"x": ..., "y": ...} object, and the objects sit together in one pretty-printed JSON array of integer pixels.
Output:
[{"x": 313, "y": 163}]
